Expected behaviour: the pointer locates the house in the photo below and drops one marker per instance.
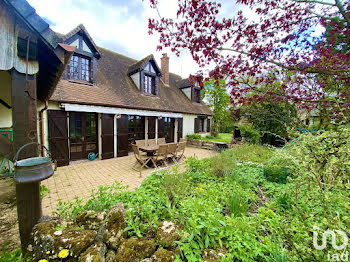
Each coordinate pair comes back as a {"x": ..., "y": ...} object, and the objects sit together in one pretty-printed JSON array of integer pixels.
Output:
[
  {"x": 32, "y": 60},
  {"x": 105, "y": 101}
]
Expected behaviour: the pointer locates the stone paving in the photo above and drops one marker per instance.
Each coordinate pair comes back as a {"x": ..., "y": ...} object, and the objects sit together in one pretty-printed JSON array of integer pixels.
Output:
[{"x": 79, "y": 179}]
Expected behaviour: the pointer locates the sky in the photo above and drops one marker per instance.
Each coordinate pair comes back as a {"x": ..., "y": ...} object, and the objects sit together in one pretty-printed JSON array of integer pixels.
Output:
[{"x": 118, "y": 25}]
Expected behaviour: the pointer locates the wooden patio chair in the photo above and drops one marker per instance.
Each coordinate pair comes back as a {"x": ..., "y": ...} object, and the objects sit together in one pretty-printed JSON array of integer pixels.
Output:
[
  {"x": 140, "y": 142},
  {"x": 161, "y": 141},
  {"x": 151, "y": 142},
  {"x": 141, "y": 159},
  {"x": 161, "y": 155},
  {"x": 171, "y": 154},
  {"x": 182, "y": 140},
  {"x": 180, "y": 151}
]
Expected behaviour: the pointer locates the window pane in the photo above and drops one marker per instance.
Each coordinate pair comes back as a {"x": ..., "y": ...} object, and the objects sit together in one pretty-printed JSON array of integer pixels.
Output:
[
  {"x": 149, "y": 84},
  {"x": 74, "y": 64},
  {"x": 85, "y": 47},
  {"x": 72, "y": 125},
  {"x": 85, "y": 69},
  {"x": 80, "y": 68}
]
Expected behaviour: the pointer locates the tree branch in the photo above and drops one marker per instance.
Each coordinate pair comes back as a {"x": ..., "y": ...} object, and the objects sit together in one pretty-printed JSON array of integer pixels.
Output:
[
  {"x": 310, "y": 70},
  {"x": 315, "y": 2},
  {"x": 343, "y": 12}
]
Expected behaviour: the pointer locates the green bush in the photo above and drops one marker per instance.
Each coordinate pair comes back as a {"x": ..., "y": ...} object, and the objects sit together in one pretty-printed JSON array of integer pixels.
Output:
[
  {"x": 276, "y": 174},
  {"x": 175, "y": 184},
  {"x": 194, "y": 136},
  {"x": 209, "y": 137},
  {"x": 252, "y": 153},
  {"x": 223, "y": 164},
  {"x": 251, "y": 135}
]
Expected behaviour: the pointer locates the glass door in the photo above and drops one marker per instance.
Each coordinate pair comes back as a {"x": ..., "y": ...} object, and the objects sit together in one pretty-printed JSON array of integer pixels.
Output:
[{"x": 82, "y": 134}]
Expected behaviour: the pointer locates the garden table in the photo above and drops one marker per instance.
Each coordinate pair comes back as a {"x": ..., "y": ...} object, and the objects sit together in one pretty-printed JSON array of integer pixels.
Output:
[{"x": 150, "y": 150}]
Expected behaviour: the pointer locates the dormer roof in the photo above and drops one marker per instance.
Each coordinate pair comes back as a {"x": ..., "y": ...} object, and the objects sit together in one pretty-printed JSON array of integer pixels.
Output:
[
  {"x": 81, "y": 29},
  {"x": 140, "y": 65},
  {"x": 184, "y": 83}
]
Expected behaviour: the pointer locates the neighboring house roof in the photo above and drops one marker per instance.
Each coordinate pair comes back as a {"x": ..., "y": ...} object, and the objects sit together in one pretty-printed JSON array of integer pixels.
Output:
[
  {"x": 140, "y": 65},
  {"x": 116, "y": 88}
]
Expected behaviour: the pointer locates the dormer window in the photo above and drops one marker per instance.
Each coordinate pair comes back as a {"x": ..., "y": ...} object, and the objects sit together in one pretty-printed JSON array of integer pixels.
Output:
[
  {"x": 149, "y": 84},
  {"x": 145, "y": 75},
  {"x": 196, "y": 95},
  {"x": 80, "y": 68}
]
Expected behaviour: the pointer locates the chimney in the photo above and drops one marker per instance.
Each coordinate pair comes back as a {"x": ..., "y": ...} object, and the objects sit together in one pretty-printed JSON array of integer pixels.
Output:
[{"x": 165, "y": 68}]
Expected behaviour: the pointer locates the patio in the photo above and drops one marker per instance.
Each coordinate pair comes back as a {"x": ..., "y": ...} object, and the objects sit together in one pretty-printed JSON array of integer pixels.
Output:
[{"x": 78, "y": 179}]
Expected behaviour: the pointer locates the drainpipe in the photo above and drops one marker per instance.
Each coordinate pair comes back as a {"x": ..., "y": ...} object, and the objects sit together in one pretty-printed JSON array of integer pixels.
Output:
[{"x": 42, "y": 126}]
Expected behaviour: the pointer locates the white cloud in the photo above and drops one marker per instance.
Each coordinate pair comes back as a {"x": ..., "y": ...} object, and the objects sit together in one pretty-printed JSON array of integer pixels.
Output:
[
  {"x": 121, "y": 26},
  {"x": 117, "y": 26}
]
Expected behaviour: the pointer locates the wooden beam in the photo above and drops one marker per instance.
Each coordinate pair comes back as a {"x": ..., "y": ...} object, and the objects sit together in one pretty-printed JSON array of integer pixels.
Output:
[{"x": 24, "y": 115}]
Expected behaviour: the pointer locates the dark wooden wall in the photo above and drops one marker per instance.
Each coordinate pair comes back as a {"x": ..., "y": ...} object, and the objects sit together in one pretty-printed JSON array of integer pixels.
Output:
[
  {"x": 107, "y": 125},
  {"x": 58, "y": 136},
  {"x": 122, "y": 136}
]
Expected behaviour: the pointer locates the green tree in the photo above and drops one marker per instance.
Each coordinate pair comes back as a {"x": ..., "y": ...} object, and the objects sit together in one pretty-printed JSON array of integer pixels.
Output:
[
  {"x": 217, "y": 98},
  {"x": 228, "y": 121},
  {"x": 272, "y": 118}
]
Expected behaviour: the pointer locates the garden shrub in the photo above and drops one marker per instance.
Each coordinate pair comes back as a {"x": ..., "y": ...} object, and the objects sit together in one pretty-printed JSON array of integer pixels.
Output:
[
  {"x": 276, "y": 174},
  {"x": 238, "y": 206},
  {"x": 251, "y": 135},
  {"x": 175, "y": 184},
  {"x": 223, "y": 164},
  {"x": 252, "y": 153}
]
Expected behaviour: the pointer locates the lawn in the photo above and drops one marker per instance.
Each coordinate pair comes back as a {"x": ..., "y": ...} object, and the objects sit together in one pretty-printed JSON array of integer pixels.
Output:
[{"x": 222, "y": 137}]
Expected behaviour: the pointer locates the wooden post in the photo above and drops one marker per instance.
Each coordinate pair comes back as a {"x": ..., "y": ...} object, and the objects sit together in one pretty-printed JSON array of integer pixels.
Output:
[{"x": 24, "y": 118}]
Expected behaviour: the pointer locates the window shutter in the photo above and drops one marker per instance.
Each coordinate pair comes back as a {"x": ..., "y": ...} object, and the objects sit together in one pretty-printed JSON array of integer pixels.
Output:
[
  {"x": 208, "y": 125},
  {"x": 142, "y": 82},
  {"x": 161, "y": 127},
  {"x": 196, "y": 125},
  {"x": 157, "y": 85},
  {"x": 179, "y": 128}
]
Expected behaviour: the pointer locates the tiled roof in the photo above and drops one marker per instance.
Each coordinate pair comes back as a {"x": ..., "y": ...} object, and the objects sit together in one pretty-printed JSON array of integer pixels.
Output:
[
  {"x": 139, "y": 65},
  {"x": 27, "y": 12},
  {"x": 115, "y": 88},
  {"x": 184, "y": 83}
]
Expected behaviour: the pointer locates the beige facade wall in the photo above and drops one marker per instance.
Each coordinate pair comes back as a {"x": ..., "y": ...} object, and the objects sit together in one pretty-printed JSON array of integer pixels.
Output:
[
  {"x": 41, "y": 105},
  {"x": 5, "y": 95},
  {"x": 188, "y": 125},
  {"x": 188, "y": 92},
  {"x": 136, "y": 78}
]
